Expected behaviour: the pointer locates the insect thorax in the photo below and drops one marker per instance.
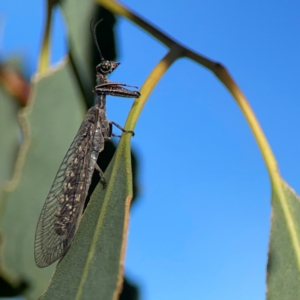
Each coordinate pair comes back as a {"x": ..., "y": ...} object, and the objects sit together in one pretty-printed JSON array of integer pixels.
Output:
[{"x": 100, "y": 78}]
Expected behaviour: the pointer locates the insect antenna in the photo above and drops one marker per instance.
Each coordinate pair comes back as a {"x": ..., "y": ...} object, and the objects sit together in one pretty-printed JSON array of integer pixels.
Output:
[{"x": 93, "y": 32}]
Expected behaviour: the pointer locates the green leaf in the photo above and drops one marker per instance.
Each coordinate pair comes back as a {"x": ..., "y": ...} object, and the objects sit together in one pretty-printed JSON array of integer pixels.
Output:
[
  {"x": 82, "y": 48},
  {"x": 9, "y": 135},
  {"x": 78, "y": 16},
  {"x": 284, "y": 253},
  {"x": 49, "y": 124},
  {"x": 93, "y": 266},
  {"x": 10, "y": 143}
]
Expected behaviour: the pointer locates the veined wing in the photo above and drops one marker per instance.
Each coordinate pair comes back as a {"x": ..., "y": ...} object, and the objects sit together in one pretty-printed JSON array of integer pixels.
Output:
[{"x": 63, "y": 207}]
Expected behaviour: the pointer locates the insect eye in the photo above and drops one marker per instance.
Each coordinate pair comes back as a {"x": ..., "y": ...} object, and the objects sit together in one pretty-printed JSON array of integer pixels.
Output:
[{"x": 104, "y": 67}]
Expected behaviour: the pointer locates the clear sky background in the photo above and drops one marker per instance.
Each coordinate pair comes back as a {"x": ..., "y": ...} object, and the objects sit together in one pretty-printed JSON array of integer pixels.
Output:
[{"x": 200, "y": 228}]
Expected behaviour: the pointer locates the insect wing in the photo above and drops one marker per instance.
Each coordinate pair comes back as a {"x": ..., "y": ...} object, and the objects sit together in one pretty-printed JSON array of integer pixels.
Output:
[{"x": 63, "y": 207}]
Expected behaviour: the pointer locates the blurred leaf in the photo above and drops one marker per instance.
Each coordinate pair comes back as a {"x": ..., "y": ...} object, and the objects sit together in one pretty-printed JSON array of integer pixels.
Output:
[
  {"x": 283, "y": 265},
  {"x": 9, "y": 135},
  {"x": 10, "y": 142},
  {"x": 48, "y": 124},
  {"x": 91, "y": 267},
  {"x": 79, "y": 15}
]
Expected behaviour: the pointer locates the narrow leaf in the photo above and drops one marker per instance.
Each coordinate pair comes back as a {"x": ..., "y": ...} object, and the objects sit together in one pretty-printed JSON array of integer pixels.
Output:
[
  {"x": 49, "y": 125},
  {"x": 9, "y": 135},
  {"x": 284, "y": 255},
  {"x": 91, "y": 267}
]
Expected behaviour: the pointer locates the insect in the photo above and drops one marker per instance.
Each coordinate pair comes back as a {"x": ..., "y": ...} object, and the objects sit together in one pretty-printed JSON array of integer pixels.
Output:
[{"x": 64, "y": 204}]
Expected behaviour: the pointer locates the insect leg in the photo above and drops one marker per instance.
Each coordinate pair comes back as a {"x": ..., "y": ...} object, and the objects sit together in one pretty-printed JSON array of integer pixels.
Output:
[
  {"x": 115, "y": 90},
  {"x": 121, "y": 128},
  {"x": 115, "y": 84},
  {"x": 102, "y": 178}
]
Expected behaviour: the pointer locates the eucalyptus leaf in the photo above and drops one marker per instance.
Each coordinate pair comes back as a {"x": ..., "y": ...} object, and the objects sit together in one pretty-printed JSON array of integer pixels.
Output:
[
  {"x": 93, "y": 266},
  {"x": 283, "y": 276},
  {"x": 80, "y": 16},
  {"x": 9, "y": 135},
  {"x": 49, "y": 124}
]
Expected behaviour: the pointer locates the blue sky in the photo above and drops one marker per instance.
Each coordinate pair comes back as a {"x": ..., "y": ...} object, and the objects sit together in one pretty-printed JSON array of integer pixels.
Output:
[{"x": 201, "y": 226}]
